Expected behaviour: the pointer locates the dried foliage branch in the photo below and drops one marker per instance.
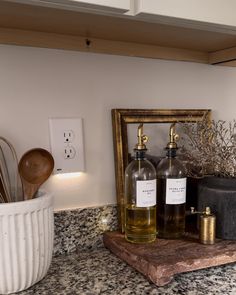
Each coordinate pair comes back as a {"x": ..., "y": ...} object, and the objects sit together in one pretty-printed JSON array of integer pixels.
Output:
[{"x": 209, "y": 148}]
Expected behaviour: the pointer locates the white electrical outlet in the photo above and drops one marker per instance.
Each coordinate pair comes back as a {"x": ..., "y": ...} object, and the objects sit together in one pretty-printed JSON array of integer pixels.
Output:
[
  {"x": 66, "y": 135},
  {"x": 69, "y": 152}
]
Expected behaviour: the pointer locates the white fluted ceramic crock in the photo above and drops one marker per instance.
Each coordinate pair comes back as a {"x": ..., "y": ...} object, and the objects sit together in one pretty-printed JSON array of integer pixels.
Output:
[{"x": 26, "y": 242}]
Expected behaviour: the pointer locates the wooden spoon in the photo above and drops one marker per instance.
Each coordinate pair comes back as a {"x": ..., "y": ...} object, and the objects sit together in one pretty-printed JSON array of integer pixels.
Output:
[{"x": 35, "y": 167}]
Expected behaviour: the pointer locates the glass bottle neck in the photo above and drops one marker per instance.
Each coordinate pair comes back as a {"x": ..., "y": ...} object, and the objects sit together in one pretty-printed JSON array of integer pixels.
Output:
[
  {"x": 171, "y": 153},
  {"x": 139, "y": 154}
]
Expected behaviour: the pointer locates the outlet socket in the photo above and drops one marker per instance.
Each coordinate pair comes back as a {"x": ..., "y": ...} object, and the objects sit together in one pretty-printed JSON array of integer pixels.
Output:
[
  {"x": 69, "y": 152},
  {"x": 66, "y": 137}
]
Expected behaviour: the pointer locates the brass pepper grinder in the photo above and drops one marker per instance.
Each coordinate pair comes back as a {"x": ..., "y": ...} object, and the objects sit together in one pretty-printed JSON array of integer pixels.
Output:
[{"x": 207, "y": 227}]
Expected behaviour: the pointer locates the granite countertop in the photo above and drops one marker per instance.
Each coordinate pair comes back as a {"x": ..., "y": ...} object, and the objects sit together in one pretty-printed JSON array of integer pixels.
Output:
[
  {"x": 100, "y": 272},
  {"x": 81, "y": 264}
]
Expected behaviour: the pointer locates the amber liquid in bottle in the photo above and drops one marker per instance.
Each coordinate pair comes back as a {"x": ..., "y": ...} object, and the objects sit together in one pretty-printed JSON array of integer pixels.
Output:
[
  {"x": 171, "y": 208},
  {"x": 140, "y": 224},
  {"x": 140, "y": 201}
]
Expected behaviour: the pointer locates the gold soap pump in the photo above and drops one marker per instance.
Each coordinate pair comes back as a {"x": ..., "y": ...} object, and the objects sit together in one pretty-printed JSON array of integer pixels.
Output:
[
  {"x": 173, "y": 137},
  {"x": 207, "y": 227},
  {"x": 142, "y": 139}
]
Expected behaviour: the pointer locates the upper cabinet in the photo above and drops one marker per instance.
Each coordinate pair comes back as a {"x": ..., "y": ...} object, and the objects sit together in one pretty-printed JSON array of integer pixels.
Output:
[
  {"x": 106, "y": 6},
  {"x": 188, "y": 30},
  {"x": 216, "y": 15},
  {"x": 114, "y": 5}
]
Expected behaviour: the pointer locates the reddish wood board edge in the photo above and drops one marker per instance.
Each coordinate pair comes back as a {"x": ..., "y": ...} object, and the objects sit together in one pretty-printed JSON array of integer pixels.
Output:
[{"x": 161, "y": 260}]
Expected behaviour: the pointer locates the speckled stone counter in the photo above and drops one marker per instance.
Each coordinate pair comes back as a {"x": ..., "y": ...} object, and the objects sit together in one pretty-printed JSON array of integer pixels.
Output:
[
  {"x": 81, "y": 229},
  {"x": 81, "y": 265},
  {"x": 100, "y": 272}
]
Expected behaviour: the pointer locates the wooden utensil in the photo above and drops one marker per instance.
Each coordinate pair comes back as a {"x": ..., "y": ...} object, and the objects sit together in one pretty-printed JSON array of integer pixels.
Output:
[{"x": 35, "y": 167}]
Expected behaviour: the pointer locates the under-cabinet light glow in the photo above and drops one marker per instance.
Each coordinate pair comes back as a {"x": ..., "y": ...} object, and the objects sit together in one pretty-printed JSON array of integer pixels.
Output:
[
  {"x": 103, "y": 224},
  {"x": 104, "y": 220},
  {"x": 68, "y": 175}
]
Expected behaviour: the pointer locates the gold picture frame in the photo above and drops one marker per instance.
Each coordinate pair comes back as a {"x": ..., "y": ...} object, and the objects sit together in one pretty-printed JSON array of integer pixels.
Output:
[{"x": 122, "y": 117}]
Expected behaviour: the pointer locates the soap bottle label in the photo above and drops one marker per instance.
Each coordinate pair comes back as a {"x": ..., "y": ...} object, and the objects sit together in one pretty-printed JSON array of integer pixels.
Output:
[
  {"x": 146, "y": 193},
  {"x": 175, "y": 191}
]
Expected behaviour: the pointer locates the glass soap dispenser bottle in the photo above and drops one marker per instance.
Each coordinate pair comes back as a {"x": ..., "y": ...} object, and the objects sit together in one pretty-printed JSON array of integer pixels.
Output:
[
  {"x": 171, "y": 192},
  {"x": 140, "y": 195}
]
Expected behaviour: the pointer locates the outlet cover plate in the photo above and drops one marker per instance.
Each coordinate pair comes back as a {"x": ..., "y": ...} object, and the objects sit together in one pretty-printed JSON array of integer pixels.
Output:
[{"x": 60, "y": 130}]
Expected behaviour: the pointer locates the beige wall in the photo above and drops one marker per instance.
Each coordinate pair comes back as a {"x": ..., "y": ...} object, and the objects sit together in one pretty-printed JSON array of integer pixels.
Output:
[{"x": 36, "y": 84}]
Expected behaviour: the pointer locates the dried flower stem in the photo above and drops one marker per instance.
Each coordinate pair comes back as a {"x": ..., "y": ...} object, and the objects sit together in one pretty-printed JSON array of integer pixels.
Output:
[{"x": 209, "y": 149}]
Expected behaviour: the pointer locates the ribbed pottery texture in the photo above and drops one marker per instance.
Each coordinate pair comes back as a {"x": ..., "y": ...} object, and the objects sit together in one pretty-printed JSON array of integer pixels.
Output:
[{"x": 26, "y": 242}]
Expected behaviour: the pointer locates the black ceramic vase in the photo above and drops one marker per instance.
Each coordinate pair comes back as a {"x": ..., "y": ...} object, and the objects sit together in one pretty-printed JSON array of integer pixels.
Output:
[{"x": 220, "y": 195}]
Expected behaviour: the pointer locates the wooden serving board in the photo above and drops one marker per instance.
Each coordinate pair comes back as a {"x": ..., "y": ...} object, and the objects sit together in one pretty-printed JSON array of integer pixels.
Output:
[{"x": 161, "y": 260}]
